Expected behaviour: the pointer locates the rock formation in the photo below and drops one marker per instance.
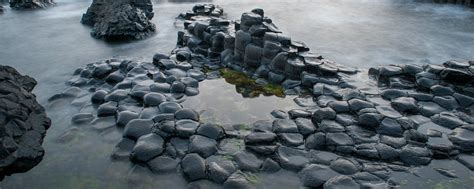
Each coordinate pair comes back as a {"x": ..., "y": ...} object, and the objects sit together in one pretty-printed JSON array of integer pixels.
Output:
[
  {"x": 30, "y": 4},
  {"x": 466, "y": 3},
  {"x": 120, "y": 19},
  {"x": 23, "y": 123},
  {"x": 343, "y": 135}
]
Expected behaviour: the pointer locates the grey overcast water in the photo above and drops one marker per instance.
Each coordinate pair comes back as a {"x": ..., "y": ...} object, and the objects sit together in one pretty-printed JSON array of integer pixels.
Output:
[{"x": 50, "y": 44}]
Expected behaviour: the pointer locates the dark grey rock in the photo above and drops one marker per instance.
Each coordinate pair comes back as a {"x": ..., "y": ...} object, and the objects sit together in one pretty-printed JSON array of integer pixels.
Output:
[
  {"x": 237, "y": 180},
  {"x": 291, "y": 139},
  {"x": 357, "y": 104},
  {"x": 405, "y": 104},
  {"x": 124, "y": 117},
  {"x": 213, "y": 131},
  {"x": 202, "y": 145},
  {"x": 291, "y": 158},
  {"x": 316, "y": 175},
  {"x": 137, "y": 128},
  {"x": 305, "y": 126},
  {"x": 170, "y": 107},
  {"x": 338, "y": 139},
  {"x": 413, "y": 155},
  {"x": 448, "y": 102},
  {"x": 316, "y": 141},
  {"x": 259, "y": 138},
  {"x": 463, "y": 100},
  {"x": 187, "y": 113},
  {"x": 390, "y": 127},
  {"x": 160, "y": 87},
  {"x": 107, "y": 109},
  {"x": 323, "y": 114},
  {"x": 439, "y": 90},
  {"x": 284, "y": 126},
  {"x": 186, "y": 127},
  {"x": 341, "y": 182},
  {"x": 194, "y": 167},
  {"x": 247, "y": 161},
  {"x": 163, "y": 164},
  {"x": 279, "y": 114},
  {"x": 467, "y": 160},
  {"x": 448, "y": 120},
  {"x": 430, "y": 108},
  {"x": 269, "y": 165},
  {"x": 370, "y": 119},
  {"x": 391, "y": 94},
  {"x": 81, "y": 118},
  {"x": 339, "y": 106},
  {"x": 345, "y": 166},
  {"x": 147, "y": 147},
  {"x": 464, "y": 138}
]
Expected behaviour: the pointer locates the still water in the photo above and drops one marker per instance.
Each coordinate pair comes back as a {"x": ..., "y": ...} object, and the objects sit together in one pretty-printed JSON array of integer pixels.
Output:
[{"x": 49, "y": 44}]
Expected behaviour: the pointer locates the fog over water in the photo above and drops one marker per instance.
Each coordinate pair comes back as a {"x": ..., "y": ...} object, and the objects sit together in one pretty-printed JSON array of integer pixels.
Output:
[{"x": 50, "y": 44}]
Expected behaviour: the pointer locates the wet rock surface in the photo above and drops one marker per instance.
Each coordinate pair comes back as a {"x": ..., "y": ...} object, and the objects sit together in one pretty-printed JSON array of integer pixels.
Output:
[
  {"x": 30, "y": 4},
  {"x": 23, "y": 123},
  {"x": 343, "y": 135},
  {"x": 117, "y": 20}
]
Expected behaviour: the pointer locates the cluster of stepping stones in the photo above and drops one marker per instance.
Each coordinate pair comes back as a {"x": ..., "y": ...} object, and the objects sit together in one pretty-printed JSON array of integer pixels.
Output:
[{"x": 341, "y": 137}]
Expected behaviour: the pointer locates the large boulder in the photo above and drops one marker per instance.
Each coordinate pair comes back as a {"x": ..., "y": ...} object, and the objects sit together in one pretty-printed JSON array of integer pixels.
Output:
[
  {"x": 23, "y": 123},
  {"x": 118, "y": 20},
  {"x": 30, "y": 4}
]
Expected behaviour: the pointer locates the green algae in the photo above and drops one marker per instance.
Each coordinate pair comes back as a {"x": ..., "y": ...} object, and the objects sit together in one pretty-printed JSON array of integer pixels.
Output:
[{"x": 248, "y": 86}]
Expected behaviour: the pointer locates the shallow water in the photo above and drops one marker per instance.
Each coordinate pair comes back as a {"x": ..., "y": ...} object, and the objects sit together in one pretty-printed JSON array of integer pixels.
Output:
[{"x": 49, "y": 44}]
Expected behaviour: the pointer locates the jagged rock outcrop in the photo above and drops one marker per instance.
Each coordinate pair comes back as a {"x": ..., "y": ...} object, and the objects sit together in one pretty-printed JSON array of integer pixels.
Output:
[
  {"x": 120, "y": 19},
  {"x": 466, "y": 3},
  {"x": 30, "y": 4},
  {"x": 23, "y": 123}
]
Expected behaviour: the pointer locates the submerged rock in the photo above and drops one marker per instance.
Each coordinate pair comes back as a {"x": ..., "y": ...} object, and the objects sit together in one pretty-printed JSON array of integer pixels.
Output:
[{"x": 23, "y": 123}]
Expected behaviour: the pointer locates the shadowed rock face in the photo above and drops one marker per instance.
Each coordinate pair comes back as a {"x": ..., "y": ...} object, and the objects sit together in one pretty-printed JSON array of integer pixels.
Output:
[
  {"x": 30, "y": 4},
  {"x": 23, "y": 123},
  {"x": 120, "y": 19}
]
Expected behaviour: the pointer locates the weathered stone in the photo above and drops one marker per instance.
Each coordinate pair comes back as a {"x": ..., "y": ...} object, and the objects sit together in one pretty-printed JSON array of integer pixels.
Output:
[
  {"x": 316, "y": 175},
  {"x": 390, "y": 127},
  {"x": 291, "y": 158},
  {"x": 124, "y": 117},
  {"x": 194, "y": 167},
  {"x": 247, "y": 161},
  {"x": 163, "y": 164},
  {"x": 187, "y": 113},
  {"x": 202, "y": 145},
  {"x": 137, "y": 128},
  {"x": 338, "y": 139},
  {"x": 305, "y": 126},
  {"x": 412, "y": 155},
  {"x": 291, "y": 139},
  {"x": 186, "y": 127},
  {"x": 405, "y": 104},
  {"x": 147, "y": 147},
  {"x": 464, "y": 138},
  {"x": 284, "y": 126}
]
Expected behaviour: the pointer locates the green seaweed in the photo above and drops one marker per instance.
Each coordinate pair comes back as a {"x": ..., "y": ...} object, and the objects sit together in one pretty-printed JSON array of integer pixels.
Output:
[
  {"x": 248, "y": 86},
  {"x": 252, "y": 178}
]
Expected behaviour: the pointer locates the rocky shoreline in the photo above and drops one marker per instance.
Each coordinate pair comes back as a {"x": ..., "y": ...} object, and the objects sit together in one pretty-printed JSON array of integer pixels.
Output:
[
  {"x": 343, "y": 136},
  {"x": 23, "y": 123},
  {"x": 117, "y": 20}
]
